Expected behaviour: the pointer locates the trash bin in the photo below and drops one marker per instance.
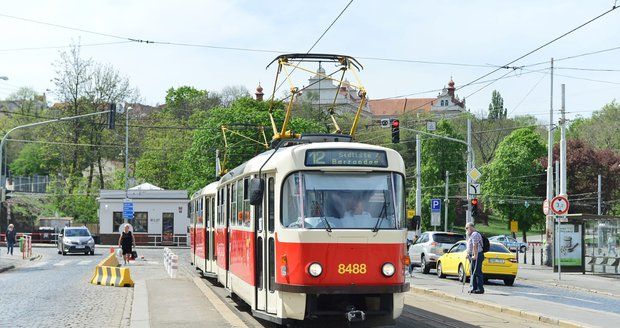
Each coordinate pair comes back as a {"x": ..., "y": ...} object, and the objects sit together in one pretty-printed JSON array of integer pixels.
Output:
[{"x": 21, "y": 244}]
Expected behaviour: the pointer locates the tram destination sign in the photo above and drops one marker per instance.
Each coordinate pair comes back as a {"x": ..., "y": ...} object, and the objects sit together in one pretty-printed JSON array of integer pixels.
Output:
[{"x": 346, "y": 157}]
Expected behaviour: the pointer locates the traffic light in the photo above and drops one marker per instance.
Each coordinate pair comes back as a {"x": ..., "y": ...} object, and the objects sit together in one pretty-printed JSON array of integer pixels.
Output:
[
  {"x": 112, "y": 116},
  {"x": 395, "y": 131},
  {"x": 474, "y": 207}
]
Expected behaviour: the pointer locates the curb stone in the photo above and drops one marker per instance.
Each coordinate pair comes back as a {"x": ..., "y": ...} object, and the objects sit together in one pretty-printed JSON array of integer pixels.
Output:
[{"x": 513, "y": 311}]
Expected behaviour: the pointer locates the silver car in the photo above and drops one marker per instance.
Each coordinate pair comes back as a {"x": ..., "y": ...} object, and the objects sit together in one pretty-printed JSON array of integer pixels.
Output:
[
  {"x": 75, "y": 240},
  {"x": 425, "y": 251},
  {"x": 511, "y": 243}
]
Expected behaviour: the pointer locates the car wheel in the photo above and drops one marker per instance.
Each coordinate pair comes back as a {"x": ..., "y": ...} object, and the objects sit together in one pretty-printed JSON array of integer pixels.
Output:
[
  {"x": 509, "y": 281},
  {"x": 462, "y": 275},
  {"x": 92, "y": 253},
  {"x": 523, "y": 249},
  {"x": 424, "y": 266},
  {"x": 59, "y": 252},
  {"x": 440, "y": 271}
]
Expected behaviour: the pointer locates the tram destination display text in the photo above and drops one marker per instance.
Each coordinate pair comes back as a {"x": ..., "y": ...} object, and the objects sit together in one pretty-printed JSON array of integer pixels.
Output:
[{"x": 346, "y": 157}]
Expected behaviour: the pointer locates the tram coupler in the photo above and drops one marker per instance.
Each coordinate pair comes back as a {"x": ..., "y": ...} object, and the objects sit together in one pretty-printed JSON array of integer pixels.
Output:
[{"x": 355, "y": 315}]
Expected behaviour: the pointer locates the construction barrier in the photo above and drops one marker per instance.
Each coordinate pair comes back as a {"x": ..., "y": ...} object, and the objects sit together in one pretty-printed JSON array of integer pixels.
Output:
[{"x": 108, "y": 273}]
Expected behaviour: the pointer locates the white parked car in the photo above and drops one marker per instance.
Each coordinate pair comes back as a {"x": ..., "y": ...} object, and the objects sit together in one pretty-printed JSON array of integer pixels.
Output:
[
  {"x": 75, "y": 240},
  {"x": 425, "y": 251}
]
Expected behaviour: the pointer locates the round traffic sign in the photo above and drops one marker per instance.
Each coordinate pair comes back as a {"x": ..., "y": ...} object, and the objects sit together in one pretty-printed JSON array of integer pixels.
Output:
[
  {"x": 559, "y": 205},
  {"x": 546, "y": 207}
]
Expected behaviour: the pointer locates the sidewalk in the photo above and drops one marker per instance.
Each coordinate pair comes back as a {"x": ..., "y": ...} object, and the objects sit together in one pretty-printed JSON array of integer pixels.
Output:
[
  {"x": 8, "y": 262},
  {"x": 594, "y": 283},
  {"x": 160, "y": 301}
]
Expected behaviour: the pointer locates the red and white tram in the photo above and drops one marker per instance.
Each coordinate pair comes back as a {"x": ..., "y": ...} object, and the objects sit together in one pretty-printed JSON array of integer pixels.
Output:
[
  {"x": 201, "y": 230},
  {"x": 309, "y": 230}
]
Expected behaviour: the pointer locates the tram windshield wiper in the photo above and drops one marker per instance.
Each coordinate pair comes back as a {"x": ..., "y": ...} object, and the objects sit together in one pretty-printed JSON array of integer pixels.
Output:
[
  {"x": 383, "y": 214},
  {"x": 319, "y": 200}
]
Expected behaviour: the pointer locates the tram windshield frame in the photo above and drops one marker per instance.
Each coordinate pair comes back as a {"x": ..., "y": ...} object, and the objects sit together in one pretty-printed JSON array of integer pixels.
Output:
[{"x": 343, "y": 200}]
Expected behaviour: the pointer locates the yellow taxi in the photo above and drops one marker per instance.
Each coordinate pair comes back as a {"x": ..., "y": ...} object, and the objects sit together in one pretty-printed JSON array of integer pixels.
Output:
[{"x": 499, "y": 263}]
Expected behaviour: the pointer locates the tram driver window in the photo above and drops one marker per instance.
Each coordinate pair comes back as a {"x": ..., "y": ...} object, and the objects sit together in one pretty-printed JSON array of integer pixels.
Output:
[{"x": 323, "y": 200}]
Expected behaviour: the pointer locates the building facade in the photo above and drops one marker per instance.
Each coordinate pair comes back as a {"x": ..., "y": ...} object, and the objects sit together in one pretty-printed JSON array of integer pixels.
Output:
[
  {"x": 321, "y": 93},
  {"x": 160, "y": 216}
]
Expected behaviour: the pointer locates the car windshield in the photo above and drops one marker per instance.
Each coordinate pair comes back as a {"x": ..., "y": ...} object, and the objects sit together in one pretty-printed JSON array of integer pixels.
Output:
[
  {"x": 327, "y": 200},
  {"x": 445, "y": 238},
  {"x": 498, "y": 248},
  {"x": 460, "y": 247},
  {"x": 76, "y": 233}
]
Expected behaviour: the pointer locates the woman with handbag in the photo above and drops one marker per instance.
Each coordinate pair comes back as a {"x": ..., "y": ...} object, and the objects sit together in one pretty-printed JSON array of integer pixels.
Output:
[{"x": 126, "y": 243}]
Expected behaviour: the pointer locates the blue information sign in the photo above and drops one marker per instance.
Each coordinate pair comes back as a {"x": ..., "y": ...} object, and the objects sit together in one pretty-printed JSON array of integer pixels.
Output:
[
  {"x": 435, "y": 205},
  {"x": 127, "y": 209}
]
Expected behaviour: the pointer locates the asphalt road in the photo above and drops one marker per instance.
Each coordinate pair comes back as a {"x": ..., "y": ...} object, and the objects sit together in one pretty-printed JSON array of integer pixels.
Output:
[
  {"x": 54, "y": 291},
  {"x": 533, "y": 291}
]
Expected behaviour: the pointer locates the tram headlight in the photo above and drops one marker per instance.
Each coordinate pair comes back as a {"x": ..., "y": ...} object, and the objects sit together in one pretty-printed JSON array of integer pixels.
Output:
[
  {"x": 388, "y": 269},
  {"x": 315, "y": 269}
]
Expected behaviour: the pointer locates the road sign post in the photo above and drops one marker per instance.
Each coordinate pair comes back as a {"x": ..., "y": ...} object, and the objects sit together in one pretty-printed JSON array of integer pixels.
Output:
[
  {"x": 127, "y": 209},
  {"x": 435, "y": 212}
]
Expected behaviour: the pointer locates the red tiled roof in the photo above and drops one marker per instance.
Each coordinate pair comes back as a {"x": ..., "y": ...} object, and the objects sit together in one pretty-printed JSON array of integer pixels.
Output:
[{"x": 395, "y": 107}]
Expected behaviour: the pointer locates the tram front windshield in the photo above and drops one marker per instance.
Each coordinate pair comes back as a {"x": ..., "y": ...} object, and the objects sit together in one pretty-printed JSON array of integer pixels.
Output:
[{"x": 328, "y": 200}]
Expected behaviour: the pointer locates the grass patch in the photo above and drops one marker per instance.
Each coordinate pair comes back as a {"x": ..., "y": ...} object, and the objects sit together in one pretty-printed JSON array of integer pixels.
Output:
[{"x": 497, "y": 227}]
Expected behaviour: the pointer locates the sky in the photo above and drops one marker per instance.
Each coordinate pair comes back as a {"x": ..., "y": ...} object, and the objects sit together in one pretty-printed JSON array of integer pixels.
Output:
[{"x": 482, "y": 33}]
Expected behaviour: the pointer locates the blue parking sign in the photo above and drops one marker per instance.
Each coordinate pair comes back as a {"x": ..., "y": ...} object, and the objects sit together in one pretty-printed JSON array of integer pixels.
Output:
[{"x": 435, "y": 205}]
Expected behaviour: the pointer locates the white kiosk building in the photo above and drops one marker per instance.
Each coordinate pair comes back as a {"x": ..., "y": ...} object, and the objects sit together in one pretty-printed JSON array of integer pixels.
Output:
[{"x": 160, "y": 216}]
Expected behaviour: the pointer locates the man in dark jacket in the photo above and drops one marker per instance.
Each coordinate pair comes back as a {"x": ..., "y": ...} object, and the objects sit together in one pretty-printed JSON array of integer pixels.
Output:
[{"x": 10, "y": 239}]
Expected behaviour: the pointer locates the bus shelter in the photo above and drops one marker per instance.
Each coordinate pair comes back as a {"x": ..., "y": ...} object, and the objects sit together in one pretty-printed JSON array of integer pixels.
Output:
[{"x": 601, "y": 240}]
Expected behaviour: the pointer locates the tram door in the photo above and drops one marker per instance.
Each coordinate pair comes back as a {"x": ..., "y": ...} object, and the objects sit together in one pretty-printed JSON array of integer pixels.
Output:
[
  {"x": 208, "y": 234},
  {"x": 264, "y": 217}
]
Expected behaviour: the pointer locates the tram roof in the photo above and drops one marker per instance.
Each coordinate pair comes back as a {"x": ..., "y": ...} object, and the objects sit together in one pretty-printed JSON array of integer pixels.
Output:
[
  {"x": 209, "y": 189},
  {"x": 295, "y": 155}
]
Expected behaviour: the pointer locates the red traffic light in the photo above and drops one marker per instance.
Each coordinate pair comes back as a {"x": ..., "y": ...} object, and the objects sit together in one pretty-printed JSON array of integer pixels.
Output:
[
  {"x": 395, "y": 123},
  {"x": 474, "y": 201}
]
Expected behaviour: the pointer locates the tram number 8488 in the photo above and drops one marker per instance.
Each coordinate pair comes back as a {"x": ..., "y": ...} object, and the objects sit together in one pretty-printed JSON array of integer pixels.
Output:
[{"x": 354, "y": 268}]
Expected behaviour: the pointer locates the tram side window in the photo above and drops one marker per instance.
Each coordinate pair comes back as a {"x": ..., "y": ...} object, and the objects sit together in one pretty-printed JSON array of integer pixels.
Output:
[
  {"x": 233, "y": 205},
  {"x": 270, "y": 205},
  {"x": 240, "y": 209},
  {"x": 246, "y": 203},
  {"x": 207, "y": 210},
  {"x": 258, "y": 215},
  {"x": 228, "y": 191},
  {"x": 272, "y": 264}
]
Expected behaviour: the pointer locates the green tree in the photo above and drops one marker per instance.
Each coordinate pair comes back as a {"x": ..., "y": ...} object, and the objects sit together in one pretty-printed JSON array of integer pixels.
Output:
[
  {"x": 244, "y": 116},
  {"x": 439, "y": 156},
  {"x": 601, "y": 130},
  {"x": 515, "y": 177},
  {"x": 183, "y": 101},
  {"x": 496, "y": 107}
]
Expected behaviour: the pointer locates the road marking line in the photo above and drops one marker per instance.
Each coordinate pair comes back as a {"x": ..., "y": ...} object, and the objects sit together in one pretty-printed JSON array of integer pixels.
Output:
[
  {"x": 85, "y": 262},
  {"x": 63, "y": 262},
  {"x": 152, "y": 262},
  {"x": 537, "y": 294},
  {"x": 581, "y": 299},
  {"x": 40, "y": 264}
]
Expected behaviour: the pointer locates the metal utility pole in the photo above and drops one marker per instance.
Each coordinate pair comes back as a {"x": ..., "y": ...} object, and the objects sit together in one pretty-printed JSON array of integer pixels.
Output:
[
  {"x": 557, "y": 178},
  {"x": 549, "y": 219},
  {"x": 446, "y": 201},
  {"x": 600, "y": 195},
  {"x": 125, "y": 220},
  {"x": 468, "y": 217},
  {"x": 418, "y": 181},
  {"x": 563, "y": 146}
]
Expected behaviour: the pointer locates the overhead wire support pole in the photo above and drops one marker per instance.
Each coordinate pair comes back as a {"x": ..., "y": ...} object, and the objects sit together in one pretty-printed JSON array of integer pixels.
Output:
[
  {"x": 549, "y": 227},
  {"x": 418, "y": 181},
  {"x": 470, "y": 165},
  {"x": 600, "y": 196},
  {"x": 563, "y": 144},
  {"x": 446, "y": 200}
]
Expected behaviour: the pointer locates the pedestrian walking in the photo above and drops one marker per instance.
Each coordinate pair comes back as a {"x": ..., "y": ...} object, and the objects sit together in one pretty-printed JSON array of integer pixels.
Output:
[
  {"x": 476, "y": 256},
  {"x": 10, "y": 239},
  {"x": 126, "y": 242}
]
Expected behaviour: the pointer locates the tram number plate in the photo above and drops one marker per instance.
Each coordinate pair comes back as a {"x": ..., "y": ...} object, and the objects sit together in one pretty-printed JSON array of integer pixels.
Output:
[{"x": 352, "y": 268}]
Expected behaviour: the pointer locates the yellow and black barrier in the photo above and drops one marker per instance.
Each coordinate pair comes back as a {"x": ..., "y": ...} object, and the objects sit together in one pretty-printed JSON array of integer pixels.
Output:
[{"x": 108, "y": 273}]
